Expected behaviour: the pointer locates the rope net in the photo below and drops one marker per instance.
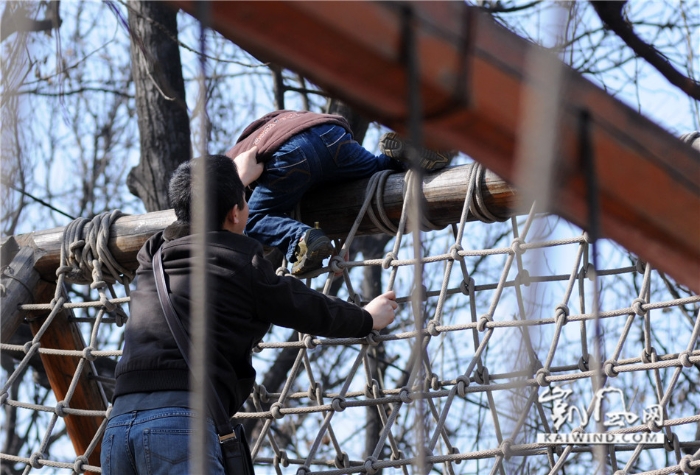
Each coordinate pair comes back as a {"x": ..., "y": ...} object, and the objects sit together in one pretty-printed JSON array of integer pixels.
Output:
[{"x": 505, "y": 333}]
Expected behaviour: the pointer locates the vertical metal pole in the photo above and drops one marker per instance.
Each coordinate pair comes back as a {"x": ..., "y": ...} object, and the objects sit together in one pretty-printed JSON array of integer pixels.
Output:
[
  {"x": 415, "y": 113},
  {"x": 588, "y": 163},
  {"x": 199, "y": 310}
]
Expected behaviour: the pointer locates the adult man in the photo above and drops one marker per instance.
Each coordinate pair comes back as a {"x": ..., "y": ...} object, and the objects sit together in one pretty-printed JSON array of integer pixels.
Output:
[
  {"x": 148, "y": 427},
  {"x": 300, "y": 150}
]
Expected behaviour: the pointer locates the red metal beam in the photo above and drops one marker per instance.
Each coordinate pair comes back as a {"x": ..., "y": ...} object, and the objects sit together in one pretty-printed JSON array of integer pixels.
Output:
[{"x": 471, "y": 72}]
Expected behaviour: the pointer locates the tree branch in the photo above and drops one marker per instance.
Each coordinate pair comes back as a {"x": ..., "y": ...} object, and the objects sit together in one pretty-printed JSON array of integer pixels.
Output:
[{"x": 610, "y": 13}]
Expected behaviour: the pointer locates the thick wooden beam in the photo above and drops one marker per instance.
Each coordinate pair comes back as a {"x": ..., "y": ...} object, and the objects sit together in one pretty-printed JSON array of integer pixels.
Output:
[
  {"x": 472, "y": 74},
  {"x": 18, "y": 280},
  {"x": 127, "y": 235},
  {"x": 64, "y": 334},
  {"x": 335, "y": 208}
]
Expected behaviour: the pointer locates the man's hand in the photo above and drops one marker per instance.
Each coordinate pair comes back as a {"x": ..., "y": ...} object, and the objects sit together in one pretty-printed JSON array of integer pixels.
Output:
[
  {"x": 248, "y": 167},
  {"x": 383, "y": 309}
]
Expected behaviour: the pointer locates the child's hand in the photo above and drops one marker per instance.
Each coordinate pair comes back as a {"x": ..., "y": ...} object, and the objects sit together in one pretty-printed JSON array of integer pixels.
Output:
[{"x": 248, "y": 167}]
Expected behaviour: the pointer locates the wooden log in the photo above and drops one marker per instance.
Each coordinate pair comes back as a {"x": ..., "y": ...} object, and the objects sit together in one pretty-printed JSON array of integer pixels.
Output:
[
  {"x": 64, "y": 334},
  {"x": 334, "y": 207},
  {"x": 473, "y": 77},
  {"x": 18, "y": 281},
  {"x": 127, "y": 235}
]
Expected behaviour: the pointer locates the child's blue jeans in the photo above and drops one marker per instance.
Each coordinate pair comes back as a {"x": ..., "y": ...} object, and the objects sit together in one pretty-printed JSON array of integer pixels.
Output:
[{"x": 323, "y": 154}]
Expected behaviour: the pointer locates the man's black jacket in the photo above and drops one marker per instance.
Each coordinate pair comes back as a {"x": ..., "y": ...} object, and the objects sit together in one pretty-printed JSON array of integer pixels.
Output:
[{"x": 249, "y": 296}]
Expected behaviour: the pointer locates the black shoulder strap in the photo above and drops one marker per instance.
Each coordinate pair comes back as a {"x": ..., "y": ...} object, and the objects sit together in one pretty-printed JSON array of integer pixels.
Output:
[{"x": 218, "y": 412}]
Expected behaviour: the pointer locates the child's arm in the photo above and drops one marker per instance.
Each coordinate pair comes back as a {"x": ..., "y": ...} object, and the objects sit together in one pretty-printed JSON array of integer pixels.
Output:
[{"x": 248, "y": 168}]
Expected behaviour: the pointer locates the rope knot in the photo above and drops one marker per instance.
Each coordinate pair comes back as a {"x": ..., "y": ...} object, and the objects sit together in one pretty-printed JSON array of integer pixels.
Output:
[
  {"x": 462, "y": 385},
  {"x": 583, "y": 363},
  {"x": 339, "y": 404},
  {"x": 589, "y": 271},
  {"x": 3, "y": 398},
  {"x": 455, "y": 451},
  {"x": 79, "y": 462},
  {"x": 405, "y": 395},
  {"x": 433, "y": 382},
  {"x": 60, "y": 406},
  {"x": 303, "y": 470},
  {"x": 87, "y": 353},
  {"x": 505, "y": 448},
  {"x": 34, "y": 460},
  {"x": 276, "y": 410},
  {"x": 390, "y": 256},
  {"x": 672, "y": 443},
  {"x": 120, "y": 317},
  {"x": 309, "y": 342},
  {"x": 85, "y": 249},
  {"x": 262, "y": 393},
  {"x": 369, "y": 465},
  {"x": 541, "y": 377},
  {"x": 483, "y": 320},
  {"x": 637, "y": 306},
  {"x": 342, "y": 460},
  {"x": 467, "y": 288},
  {"x": 684, "y": 358},
  {"x": 561, "y": 313},
  {"x": 516, "y": 246},
  {"x": 281, "y": 459},
  {"x": 372, "y": 338},
  {"x": 653, "y": 425},
  {"x": 685, "y": 464},
  {"x": 372, "y": 390},
  {"x": 523, "y": 278},
  {"x": 432, "y": 328},
  {"x": 63, "y": 270},
  {"x": 640, "y": 266},
  {"x": 649, "y": 356},
  {"x": 398, "y": 455},
  {"x": 109, "y": 306},
  {"x": 30, "y": 347},
  {"x": 316, "y": 392},
  {"x": 481, "y": 376},
  {"x": 609, "y": 369},
  {"x": 337, "y": 264},
  {"x": 454, "y": 252}
]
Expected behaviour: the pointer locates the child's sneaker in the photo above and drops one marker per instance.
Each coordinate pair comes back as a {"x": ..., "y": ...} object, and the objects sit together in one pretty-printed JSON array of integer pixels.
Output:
[
  {"x": 392, "y": 145},
  {"x": 311, "y": 250}
]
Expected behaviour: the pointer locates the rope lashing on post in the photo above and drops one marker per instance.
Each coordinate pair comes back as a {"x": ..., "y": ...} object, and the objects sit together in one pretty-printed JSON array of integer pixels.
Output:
[{"x": 85, "y": 255}]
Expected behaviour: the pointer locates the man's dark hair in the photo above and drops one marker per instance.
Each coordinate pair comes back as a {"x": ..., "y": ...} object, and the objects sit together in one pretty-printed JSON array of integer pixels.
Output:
[{"x": 224, "y": 184}]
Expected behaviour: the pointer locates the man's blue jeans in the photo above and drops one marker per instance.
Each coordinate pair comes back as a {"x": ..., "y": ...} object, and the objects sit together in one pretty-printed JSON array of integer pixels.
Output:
[
  {"x": 155, "y": 442},
  {"x": 320, "y": 155}
]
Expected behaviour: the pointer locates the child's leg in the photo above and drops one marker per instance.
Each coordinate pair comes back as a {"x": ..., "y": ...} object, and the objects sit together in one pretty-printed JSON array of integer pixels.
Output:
[
  {"x": 342, "y": 158},
  {"x": 286, "y": 178}
]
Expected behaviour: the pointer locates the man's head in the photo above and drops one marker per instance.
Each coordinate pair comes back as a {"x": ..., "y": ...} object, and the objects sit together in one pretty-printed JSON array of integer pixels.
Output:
[{"x": 223, "y": 183}]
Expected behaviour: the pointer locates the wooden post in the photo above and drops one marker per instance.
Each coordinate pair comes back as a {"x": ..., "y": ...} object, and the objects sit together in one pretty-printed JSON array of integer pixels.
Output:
[
  {"x": 64, "y": 334},
  {"x": 18, "y": 280},
  {"x": 335, "y": 207}
]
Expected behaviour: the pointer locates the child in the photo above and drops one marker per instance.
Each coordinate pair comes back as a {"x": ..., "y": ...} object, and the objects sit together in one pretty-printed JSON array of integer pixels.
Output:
[{"x": 300, "y": 150}]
